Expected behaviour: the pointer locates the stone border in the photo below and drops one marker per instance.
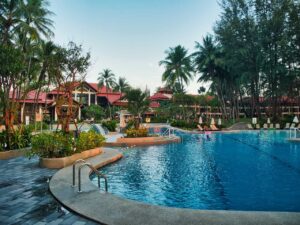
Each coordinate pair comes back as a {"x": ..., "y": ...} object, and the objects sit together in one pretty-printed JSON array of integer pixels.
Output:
[
  {"x": 109, "y": 209},
  {"x": 13, "y": 153},
  {"x": 58, "y": 163},
  {"x": 143, "y": 141}
]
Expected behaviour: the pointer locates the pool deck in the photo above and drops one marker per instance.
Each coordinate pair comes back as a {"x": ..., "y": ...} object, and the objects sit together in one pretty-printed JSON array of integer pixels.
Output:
[
  {"x": 25, "y": 199},
  {"x": 106, "y": 208}
]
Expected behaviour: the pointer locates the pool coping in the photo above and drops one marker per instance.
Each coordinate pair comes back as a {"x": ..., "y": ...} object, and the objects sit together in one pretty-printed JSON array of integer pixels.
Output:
[
  {"x": 107, "y": 208},
  {"x": 143, "y": 141}
]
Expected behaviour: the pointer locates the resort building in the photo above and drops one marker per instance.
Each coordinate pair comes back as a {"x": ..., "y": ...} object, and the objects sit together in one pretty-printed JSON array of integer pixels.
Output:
[{"x": 34, "y": 104}]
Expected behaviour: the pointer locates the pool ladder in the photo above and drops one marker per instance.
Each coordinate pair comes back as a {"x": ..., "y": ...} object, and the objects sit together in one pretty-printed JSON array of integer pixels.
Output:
[{"x": 84, "y": 163}]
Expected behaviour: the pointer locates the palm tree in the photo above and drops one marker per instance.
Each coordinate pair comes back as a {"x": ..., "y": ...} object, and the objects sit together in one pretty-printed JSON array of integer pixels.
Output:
[
  {"x": 121, "y": 85},
  {"x": 138, "y": 103},
  {"x": 107, "y": 78},
  {"x": 209, "y": 62},
  {"x": 178, "y": 67}
]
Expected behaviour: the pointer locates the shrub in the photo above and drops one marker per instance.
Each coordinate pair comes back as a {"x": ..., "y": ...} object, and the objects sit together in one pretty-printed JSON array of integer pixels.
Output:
[
  {"x": 37, "y": 127},
  {"x": 110, "y": 125},
  {"x": 51, "y": 145},
  {"x": 184, "y": 124},
  {"x": 159, "y": 119},
  {"x": 141, "y": 132},
  {"x": 89, "y": 140},
  {"x": 93, "y": 111},
  {"x": 59, "y": 144},
  {"x": 20, "y": 138}
]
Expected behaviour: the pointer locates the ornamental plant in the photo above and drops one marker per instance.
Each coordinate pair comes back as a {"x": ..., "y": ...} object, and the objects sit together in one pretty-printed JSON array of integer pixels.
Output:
[
  {"x": 60, "y": 144},
  {"x": 111, "y": 125},
  {"x": 89, "y": 140},
  {"x": 141, "y": 132}
]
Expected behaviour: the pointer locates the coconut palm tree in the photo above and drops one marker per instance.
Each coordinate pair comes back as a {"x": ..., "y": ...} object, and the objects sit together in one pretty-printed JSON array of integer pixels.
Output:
[
  {"x": 121, "y": 85},
  {"x": 107, "y": 78},
  {"x": 209, "y": 62},
  {"x": 178, "y": 67}
]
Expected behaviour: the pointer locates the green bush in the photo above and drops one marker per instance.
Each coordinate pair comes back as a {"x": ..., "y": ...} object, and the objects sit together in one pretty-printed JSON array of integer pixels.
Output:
[
  {"x": 52, "y": 145},
  {"x": 89, "y": 140},
  {"x": 159, "y": 119},
  {"x": 142, "y": 132},
  {"x": 37, "y": 127},
  {"x": 93, "y": 111},
  {"x": 184, "y": 124},
  {"x": 59, "y": 144},
  {"x": 20, "y": 138},
  {"x": 111, "y": 125}
]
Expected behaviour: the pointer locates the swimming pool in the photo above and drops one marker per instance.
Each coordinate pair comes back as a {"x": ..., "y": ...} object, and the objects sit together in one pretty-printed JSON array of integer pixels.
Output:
[{"x": 256, "y": 170}]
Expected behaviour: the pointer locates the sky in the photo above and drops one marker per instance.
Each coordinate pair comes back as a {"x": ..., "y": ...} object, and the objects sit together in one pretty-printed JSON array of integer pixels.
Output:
[{"x": 130, "y": 36}]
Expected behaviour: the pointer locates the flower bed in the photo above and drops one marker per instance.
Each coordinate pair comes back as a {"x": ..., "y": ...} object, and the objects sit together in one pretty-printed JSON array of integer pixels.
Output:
[{"x": 58, "y": 149}]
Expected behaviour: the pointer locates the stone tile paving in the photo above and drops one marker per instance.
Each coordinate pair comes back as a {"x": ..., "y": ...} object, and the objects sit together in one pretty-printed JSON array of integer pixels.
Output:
[{"x": 25, "y": 199}]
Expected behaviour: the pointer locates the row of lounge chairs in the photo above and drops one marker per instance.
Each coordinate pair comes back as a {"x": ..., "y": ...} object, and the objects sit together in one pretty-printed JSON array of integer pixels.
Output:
[
  {"x": 271, "y": 126},
  {"x": 212, "y": 128}
]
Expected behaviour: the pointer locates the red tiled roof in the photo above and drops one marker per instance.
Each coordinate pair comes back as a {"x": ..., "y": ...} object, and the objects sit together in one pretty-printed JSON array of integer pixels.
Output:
[
  {"x": 30, "y": 98},
  {"x": 159, "y": 96},
  {"x": 100, "y": 89},
  {"x": 154, "y": 104},
  {"x": 112, "y": 97}
]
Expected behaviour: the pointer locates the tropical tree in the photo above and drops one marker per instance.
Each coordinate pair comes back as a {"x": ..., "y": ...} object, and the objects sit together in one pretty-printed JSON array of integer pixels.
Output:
[
  {"x": 178, "y": 67},
  {"x": 209, "y": 62},
  {"x": 75, "y": 65},
  {"x": 23, "y": 25},
  {"x": 121, "y": 85},
  {"x": 138, "y": 103},
  {"x": 93, "y": 111},
  {"x": 107, "y": 78}
]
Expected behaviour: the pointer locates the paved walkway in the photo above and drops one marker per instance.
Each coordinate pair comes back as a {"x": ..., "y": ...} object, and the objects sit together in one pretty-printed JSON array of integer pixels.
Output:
[{"x": 25, "y": 199}]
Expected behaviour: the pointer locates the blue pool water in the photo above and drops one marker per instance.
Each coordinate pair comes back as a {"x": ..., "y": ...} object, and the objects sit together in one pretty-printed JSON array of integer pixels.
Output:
[{"x": 237, "y": 171}]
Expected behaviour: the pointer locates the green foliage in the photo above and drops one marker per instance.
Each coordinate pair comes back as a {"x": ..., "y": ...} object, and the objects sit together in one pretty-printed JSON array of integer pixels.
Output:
[
  {"x": 159, "y": 119},
  {"x": 37, "y": 126},
  {"x": 141, "y": 132},
  {"x": 111, "y": 125},
  {"x": 59, "y": 144},
  {"x": 178, "y": 68},
  {"x": 52, "y": 145},
  {"x": 20, "y": 138},
  {"x": 89, "y": 140},
  {"x": 93, "y": 111},
  {"x": 138, "y": 103},
  {"x": 184, "y": 124}
]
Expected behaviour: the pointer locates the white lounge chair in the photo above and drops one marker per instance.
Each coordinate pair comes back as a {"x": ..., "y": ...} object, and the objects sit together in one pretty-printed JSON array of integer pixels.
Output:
[
  {"x": 265, "y": 126},
  {"x": 271, "y": 126},
  {"x": 292, "y": 125},
  {"x": 287, "y": 126},
  {"x": 199, "y": 127},
  {"x": 257, "y": 126},
  {"x": 213, "y": 127},
  {"x": 249, "y": 126},
  {"x": 277, "y": 126}
]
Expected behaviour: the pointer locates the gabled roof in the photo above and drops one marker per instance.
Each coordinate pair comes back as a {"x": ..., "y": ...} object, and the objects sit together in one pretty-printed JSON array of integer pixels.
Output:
[
  {"x": 159, "y": 96},
  {"x": 75, "y": 84},
  {"x": 30, "y": 98},
  {"x": 100, "y": 89},
  {"x": 112, "y": 97}
]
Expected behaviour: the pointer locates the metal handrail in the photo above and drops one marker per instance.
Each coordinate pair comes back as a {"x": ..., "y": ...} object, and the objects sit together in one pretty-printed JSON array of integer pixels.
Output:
[
  {"x": 99, "y": 175},
  {"x": 74, "y": 164},
  {"x": 169, "y": 131}
]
